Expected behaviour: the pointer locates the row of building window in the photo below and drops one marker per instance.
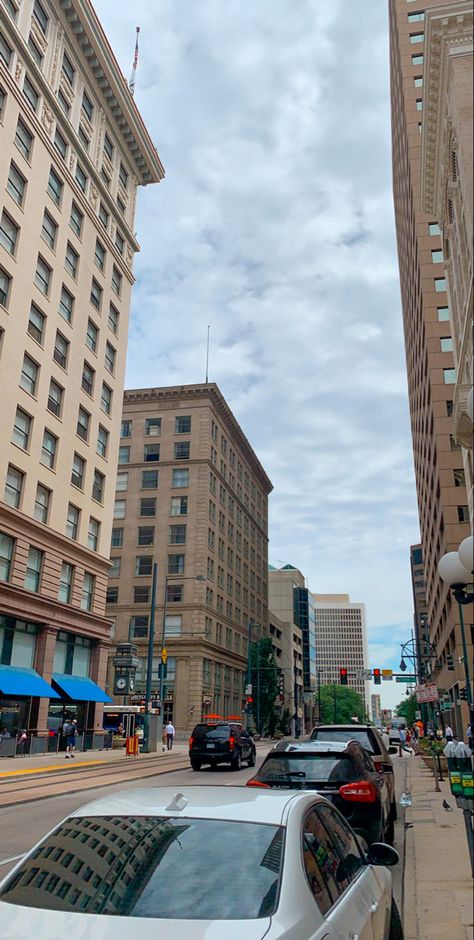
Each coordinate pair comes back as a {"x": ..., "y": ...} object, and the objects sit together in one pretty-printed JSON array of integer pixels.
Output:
[
  {"x": 151, "y": 452},
  {"x": 152, "y": 426},
  {"x": 34, "y": 570}
]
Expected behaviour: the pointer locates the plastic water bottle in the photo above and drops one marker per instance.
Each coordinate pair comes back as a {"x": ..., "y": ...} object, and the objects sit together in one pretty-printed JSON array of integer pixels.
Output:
[{"x": 405, "y": 799}]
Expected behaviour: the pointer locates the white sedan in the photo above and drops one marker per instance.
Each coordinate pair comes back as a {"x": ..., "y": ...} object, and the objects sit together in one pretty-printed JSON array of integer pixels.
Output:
[{"x": 204, "y": 863}]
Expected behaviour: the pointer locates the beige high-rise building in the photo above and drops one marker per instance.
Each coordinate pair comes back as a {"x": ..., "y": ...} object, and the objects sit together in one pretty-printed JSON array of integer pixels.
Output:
[
  {"x": 432, "y": 182},
  {"x": 191, "y": 497},
  {"x": 341, "y": 641},
  {"x": 73, "y": 150},
  {"x": 376, "y": 708}
]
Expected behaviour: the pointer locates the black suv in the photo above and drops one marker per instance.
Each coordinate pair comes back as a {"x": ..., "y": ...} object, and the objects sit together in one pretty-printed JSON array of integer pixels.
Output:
[
  {"x": 341, "y": 771},
  {"x": 222, "y": 742}
]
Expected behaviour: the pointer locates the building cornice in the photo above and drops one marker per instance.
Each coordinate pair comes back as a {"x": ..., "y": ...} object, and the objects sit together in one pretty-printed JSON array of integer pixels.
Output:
[
  {"x": 211, "y": 392},
  {"x": 448, "y": 33},
  {"x": 91, "y": 39}
]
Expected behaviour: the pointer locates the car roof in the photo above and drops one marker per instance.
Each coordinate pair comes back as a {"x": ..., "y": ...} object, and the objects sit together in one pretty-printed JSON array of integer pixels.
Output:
[
  {"x": 313, "y": 747},
  {"x": 351, "y": 727},
  {"x": 244, "y": 804}
]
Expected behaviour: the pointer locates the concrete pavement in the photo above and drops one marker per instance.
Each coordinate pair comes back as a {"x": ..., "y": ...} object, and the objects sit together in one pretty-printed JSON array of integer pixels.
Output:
[{"x": 438, "y": 900}]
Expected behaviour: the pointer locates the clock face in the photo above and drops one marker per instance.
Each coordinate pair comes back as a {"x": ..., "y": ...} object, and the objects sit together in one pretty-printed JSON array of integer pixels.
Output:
[
  {"x": 131, "y": 683},
  {"x": 121, "y": 683}
]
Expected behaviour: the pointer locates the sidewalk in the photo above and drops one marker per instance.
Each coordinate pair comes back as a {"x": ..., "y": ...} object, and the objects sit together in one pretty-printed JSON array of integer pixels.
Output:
[
  {"x": 19, "y": 766},
  {"x": 437, "y": 882}
]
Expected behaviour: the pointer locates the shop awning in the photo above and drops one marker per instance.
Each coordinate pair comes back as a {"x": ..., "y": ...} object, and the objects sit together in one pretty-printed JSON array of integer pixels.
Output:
[
  {"x": 79, "y": 688},
  {"x": 24, "y": 682}
]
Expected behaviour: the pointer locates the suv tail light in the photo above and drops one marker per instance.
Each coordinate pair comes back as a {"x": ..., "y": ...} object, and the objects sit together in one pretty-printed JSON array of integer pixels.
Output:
[
  {"x": 378, "y": 766},
  {"x": 361, "y": 792},
  {"x": 231, "y": 743},
  {"x": 257, "y": 783},
  {"x": 191, "y": 740}
]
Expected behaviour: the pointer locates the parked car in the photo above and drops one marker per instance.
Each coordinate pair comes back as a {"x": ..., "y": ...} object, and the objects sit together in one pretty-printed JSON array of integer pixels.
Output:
[
  {"x": 200, "y": 863},
  {"x": 221, "y": 742},
  {"x": 343, "y": 772},
  {"x": 375, "y": 745}
]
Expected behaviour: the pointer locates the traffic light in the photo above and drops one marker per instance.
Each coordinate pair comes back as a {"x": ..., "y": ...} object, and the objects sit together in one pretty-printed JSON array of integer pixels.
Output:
[
  {"x": 377, "y": 677},
  {"x": 463, "y": 694},
  {"x": 249, "y": 700},
  {"x": 450, "y": 663},
  {"x": 343, "y": 676}
]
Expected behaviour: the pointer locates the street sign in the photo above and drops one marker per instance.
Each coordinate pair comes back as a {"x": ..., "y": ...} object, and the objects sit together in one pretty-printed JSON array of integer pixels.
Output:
[
  {"x": 248, "y": 689},
  {"x": 366, "y": 673},
  {"x": 387, "y": 674},
  {"x": 427, "y": 692},
  {"x": 164, "y": 654},
  {"x": 405, "y": 678}
]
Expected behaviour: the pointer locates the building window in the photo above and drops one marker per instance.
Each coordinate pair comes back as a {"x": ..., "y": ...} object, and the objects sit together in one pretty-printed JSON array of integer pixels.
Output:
[
  {"x": 5, "y": 281},
  {"x": 416, "y": 17},
  {"x": 42, "y": 502},
  {"x": 49, "y": 230},
  {"x": 7, "y": 545},
  {"x": 440, "y": 284},
  {"x": 149, "y": 479},
  {"x": 123, "y": 176},
  {"x": 72, "y": 523},
  {"x": 16, "y": 184},
  {"x": 143, "y": 564},
  {"x": 459, "y": 477},
  {"x": 182, "y": 424},
  {"x": 119, "y": 508},
  {"x": 416, "y": 38},
  {"x": 115, "y": 567},
  {"x": 446, "y": 343},
  {"x": 87, "y": 106},
  {"x": 30, "y": 93},
  {"x": 179, "y": 506},
  {"x": 180, "y": 478},
  {"x": 103, "y": 216},
  {"x": 93, "y": 534},
  {"x": 138, "y": 627},
  {"x": 449, "y": 376},
  {"x": 122, "y": 482},
  {"x": 177, "y": 534},
  {"x": 61, "y": 348},
  {"x": 66, "y": 305},
  {"x": 71, "y": 261},
  {"x": 96, "y": 294},
  {"x": 65, "y": 583},
  {"x": 33, "y": 570},
  {"x": 110, "y": 356},
  {"x": 102, "y": 441},
  {"x": 81, "y": 178},
  {"x": 87, "y": 595},
  {"x": 152, "y": 427},
  {"x": 13, "y": 487},
  {"x": 449, "y": 408},
  {"x": 55, "y": 398},
  {"x": 40, "y": 16},
  {"x": 182, "y": 450},
  {"x": 120, "y": 206},
  {"x": 463, "y": 513},
  {"x": 114, "y": 317},
  {"x": 148, "y": 506},
  {"x": 87, "y": 381},
  {"x": 116, "y": 281},
  {"x": 98, "y": 486},
  {"x": 23, "y": 139},
  {"x": 106, "y": 399},
  {"x": 119, "y": 242},
  {"x": 78, "y": 471},
  {"x": 108, "y": 147},
  {"x": 117, "y": 538},
  {"x": 22, "y": 429},
  {"x": 8, "y": 233},
  {"x": 433, "y": 228},
  {"x": 443, "y": 313},
  {"x": 29, "y": 375},
  {"x": 83, "y": 422},
  {"x": 6, "y": 51},
  {"x": 151, "y": 453},
  {"x": 418, "y": 81},
  {"x": 112, "y": 595},
  {"x": 174, "y": 593},
  {"x": 76, "y": 219},
  {"x": 437, "y": 256},
  {"x": 126, "y": 429},
  {"x": 48, "y": 449},
  {"x": 99, "y": 255},
  {"x": 55, "y": 187},
  {"x": 141, "y": 594},
  {"x": 43, "y": 276},
  {"x": 60, "y": 144},
  {"x": 146, "y": 535},
  {"x": 63, "y": 102},
  {"x": 124, "y": 455},
  {"x": 176, "y": 564},
  {"x": 92, "y": 335}
]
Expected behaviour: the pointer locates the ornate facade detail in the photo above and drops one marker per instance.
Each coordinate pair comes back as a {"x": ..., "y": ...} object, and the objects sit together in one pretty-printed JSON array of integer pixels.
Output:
[
  {"x": 129, "y": 255},
  {"x": 18, "y": 70},
  {"x": 57, "y": 47},
  {"x": 38, "y": 36},
  {"x": 47, "y": 119},
  {"x": 93, "y": 197},
  {"x": 72, "y": 160},
  {"x": 100, "y": 134}
]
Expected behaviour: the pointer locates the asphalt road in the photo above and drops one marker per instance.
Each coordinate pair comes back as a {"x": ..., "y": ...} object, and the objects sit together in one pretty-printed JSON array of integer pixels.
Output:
[{"x": 22, "y": 826}]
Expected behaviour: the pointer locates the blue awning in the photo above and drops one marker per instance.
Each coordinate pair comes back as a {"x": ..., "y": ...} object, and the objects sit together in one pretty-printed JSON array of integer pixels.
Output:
[
  {"x": 79, "y": 688},
  {"x": 16, "y": 681}
]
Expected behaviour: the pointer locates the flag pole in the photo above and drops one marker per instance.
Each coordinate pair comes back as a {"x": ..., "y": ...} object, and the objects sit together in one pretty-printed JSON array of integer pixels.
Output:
[{"x": 131, "y": 83}]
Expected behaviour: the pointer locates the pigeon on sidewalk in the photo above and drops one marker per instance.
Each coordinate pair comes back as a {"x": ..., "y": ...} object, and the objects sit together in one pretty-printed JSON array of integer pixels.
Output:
[{"x": 447, "y": 807}]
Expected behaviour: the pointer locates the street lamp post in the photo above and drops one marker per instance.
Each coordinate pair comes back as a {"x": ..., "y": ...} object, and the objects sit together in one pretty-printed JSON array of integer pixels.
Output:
[
  {"x": 455, "y": 569},
  {"x": 149, "y": 668},
  {"x": 418, "y": 659}
]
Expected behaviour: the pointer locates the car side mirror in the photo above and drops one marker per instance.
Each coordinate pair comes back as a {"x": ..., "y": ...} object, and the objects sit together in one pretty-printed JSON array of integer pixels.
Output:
[
  {"x": 392, "y": 749},
  {"x": 381, "y": 854}
]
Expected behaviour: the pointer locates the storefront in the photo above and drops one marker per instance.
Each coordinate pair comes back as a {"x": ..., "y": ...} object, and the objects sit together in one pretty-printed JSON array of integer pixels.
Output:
[{"x": 77, "y": 697}]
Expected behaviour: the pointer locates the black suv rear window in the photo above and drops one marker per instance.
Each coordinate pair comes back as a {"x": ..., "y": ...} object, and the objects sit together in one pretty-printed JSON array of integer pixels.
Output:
[
  {"x": 363, "y": 737},
  {"x": 295, "y": 770},
  {"x": 211, "y": 733}
]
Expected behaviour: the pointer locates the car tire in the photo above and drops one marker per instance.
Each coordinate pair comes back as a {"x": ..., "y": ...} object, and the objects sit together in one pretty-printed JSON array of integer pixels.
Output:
[
  {"x": 236, "y": 762},
  {"x": 396, "y": 926},
  {"x": 252, "y": 759},
  {"x": 196, "y": 764}
]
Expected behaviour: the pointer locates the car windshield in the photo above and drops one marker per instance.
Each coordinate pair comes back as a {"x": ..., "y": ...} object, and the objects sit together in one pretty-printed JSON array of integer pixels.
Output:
[
  {"x": 211, "y": 732},
  {"x": 152, "y": 866},
  {"x": 340, "y": 734},
  {"x": 300, "y": 770}
]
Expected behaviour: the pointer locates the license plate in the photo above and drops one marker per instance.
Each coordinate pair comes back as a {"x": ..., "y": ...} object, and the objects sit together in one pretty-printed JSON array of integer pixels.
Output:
[{"x": 210, "y": 746}]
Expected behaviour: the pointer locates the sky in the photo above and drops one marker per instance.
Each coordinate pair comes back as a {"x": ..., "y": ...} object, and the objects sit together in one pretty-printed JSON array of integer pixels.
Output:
[{"x": 274, "y": 225}]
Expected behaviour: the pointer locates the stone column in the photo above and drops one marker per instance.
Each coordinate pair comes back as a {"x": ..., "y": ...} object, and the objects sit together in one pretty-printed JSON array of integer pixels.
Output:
[{"x": 44, "y": 658}]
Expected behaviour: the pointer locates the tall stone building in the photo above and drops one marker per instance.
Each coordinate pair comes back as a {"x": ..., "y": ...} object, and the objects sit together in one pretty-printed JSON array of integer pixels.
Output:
[
  {"x": 73, "y": 149},
  {"x": 341, "y": 641},
  {"x": 291, "y": 602},
  {"x": 433, "y": 328},
  {"x": 191, "y": 497}
]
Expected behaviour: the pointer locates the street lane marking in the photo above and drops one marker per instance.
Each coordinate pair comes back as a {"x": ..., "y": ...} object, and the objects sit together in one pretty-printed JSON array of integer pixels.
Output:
[
  {"x": 14, "y": 858},
  {"x": 43, "y": 770}
]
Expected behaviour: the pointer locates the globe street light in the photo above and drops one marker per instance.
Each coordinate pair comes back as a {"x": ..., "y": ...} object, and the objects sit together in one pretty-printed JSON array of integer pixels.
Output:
[{"x": 455, "y": 569}]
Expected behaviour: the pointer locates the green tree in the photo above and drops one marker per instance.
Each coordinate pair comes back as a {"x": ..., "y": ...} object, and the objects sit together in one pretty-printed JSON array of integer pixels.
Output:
[
  {"x": 339, "y": 704},
  {"x": 407, "y": 709},
  {"x": 264, "y": 679}
]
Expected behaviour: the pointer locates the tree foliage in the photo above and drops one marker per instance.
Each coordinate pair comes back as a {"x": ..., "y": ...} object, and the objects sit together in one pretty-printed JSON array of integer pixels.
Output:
[
  {"x": 339, "y": 704},
  {"x": 407, "y": 709},
  {"x": 264, "y": 679}
]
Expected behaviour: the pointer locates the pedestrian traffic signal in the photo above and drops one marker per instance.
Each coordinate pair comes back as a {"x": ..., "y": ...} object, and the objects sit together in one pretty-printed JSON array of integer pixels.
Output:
[
  {"x": 377, "y": 677},
  {"x": 463, "y": 694},
  {"x": 343, "y": 676},
  {"x": 450, "y": 663}
]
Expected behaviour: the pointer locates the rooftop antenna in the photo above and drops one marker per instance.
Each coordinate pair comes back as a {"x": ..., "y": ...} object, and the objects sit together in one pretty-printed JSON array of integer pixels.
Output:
[
  {"x": 131, "y": 83},
  {"x": 207, "y": 355}
]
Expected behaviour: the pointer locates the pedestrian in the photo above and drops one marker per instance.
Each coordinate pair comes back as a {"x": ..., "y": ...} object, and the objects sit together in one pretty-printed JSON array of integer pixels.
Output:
[
  {"x": 170, "y": 733},
  {"x": 70, "y": 732},
  {"x": 448, "y": 733},
  {"x": 403, "y": 740},
  {"x": 5, "y": 733},
  {"x": 21, "y": 743}
]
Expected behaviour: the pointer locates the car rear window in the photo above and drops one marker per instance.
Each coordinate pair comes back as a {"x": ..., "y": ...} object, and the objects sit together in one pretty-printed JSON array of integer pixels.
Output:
[
  {"x": 363, "y": 737},
  {"x": 295, "y": 770},
  {"x": 211, "y": 733},
  {"x": 152, "y": 866}
]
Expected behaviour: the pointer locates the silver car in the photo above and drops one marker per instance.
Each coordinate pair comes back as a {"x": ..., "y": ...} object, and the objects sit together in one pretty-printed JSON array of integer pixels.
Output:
[{"x": 204, "y": 863}]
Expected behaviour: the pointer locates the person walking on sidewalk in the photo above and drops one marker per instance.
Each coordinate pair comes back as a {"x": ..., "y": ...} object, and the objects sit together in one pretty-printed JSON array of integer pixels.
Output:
[
  {"x": 403, "y": 741},
  {"x": 448, "y": 733},
  {"x": 170, "y": 733},
  {"x": 70, "y": 732}
]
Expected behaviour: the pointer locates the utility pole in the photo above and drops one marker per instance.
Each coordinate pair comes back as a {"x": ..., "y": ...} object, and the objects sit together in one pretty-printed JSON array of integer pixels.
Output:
[
  {"x": 258, "y": 688},
  {"x": 335, "y": 702},
  {"x": 149, "y": 668}
]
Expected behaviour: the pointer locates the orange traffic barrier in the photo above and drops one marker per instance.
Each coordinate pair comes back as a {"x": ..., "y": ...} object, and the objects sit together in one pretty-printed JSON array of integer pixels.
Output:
[{"x": 131, "y": 746}]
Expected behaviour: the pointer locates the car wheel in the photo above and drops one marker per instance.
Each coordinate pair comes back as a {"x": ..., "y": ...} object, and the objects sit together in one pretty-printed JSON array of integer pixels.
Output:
[
  {"x": 236, "y": 762},
  {"x": 196, "y": 764},
  {"x": 252, "y": 759},
  {"x": 396, "y": 927}
]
